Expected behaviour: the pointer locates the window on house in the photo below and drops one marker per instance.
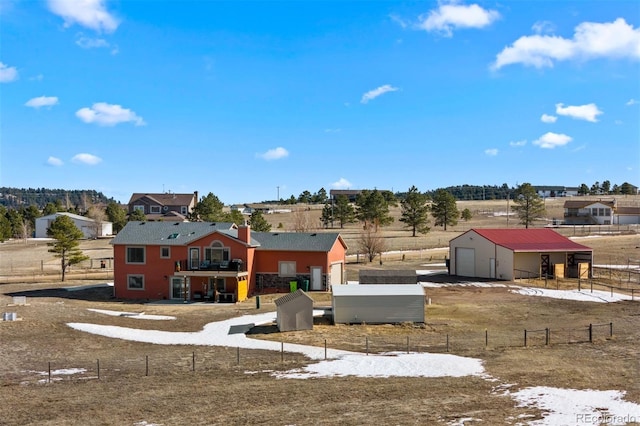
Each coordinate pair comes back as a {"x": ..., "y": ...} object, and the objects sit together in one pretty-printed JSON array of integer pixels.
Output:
[
  {"x": 139, "y": 207},
  {"x": 287, "y": 269},
  {"x": 154, "y": 209},
  {"x": 165, "y": 252},
  {"x": 607, "y": 212},
  {"x": 594, "y": 211},
  {"x": 135, "y": 282},
  {"x": 135, "y": 254},
  {"x": 184, "y": 210},
  {"x": 601, "y": 211},
  {"x": 216, "y": 253}
]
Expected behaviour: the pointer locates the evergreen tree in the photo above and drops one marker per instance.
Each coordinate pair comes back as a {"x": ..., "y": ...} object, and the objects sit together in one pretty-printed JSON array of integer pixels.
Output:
[
  {"x": 466, "y": 215},
  {"x": 258, "y": 223},
  {"x": 415, "y": 211},
  {"x": 321, "y": 196},
  {"x": 117, "y": 216},
  {"x": 528, "y": 204},
  {"x": 627, "y": 189},
  {"x": 373, "y": 209},
  {"x": 343, "y": 212},
  {"x": 444, "y": 209},
  {"x": 208, "y": 209},
  {"x": 15, "y": 220},
  {"x": 234, "y": 217},
  {"x": 583, "y": 190},
  {"x": 66, "y": 236},
  {"x": 49, "y": 209},
  {"x": 5, "y": 225},
  {"x": 137, "y": 216},
  {"x": 327, "y": 215},
  {"x": 305, "y": 197},
  {"x": 30, "y": 214}
]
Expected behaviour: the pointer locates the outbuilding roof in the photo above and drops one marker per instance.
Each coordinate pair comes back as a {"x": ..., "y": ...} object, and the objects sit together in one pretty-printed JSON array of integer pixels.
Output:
[
  {"x": 292, "y": 296},
  {"x": 377, "y": 290},
  {"x": 530, "y": 240}
]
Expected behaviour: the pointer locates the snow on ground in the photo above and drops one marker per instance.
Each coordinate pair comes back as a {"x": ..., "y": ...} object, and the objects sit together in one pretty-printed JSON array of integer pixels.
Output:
[
  {"x": 392, "y": 364},
  {"x": 134, "y": 315},
  {"x": 583, "y": 295},
  {"x": 572, "y": 406}
]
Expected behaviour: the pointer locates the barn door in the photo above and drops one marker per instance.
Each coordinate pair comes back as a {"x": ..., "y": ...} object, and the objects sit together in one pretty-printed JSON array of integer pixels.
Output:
[{"x": 544, "y": 265}]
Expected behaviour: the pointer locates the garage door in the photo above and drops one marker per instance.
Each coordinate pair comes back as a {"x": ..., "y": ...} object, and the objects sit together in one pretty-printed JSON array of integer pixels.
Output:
[
  {"x": 465, "y": 262},
  {"x": 336, "y": 274}
]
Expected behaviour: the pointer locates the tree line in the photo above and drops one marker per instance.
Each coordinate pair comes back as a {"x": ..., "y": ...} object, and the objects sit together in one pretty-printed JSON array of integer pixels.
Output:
[{"x": 40, "y": 197}]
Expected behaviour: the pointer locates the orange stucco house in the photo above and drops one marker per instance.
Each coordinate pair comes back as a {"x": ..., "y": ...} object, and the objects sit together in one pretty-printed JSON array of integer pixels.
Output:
[{"x": 221, "y": 262}]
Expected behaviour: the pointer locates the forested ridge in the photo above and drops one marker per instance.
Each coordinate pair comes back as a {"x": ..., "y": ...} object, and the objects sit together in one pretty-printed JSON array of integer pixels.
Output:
[{"x": 14, "y": 198}]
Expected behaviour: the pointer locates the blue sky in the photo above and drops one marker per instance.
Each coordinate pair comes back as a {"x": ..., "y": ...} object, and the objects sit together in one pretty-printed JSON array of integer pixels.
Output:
[{"x": 251, "y": 100}]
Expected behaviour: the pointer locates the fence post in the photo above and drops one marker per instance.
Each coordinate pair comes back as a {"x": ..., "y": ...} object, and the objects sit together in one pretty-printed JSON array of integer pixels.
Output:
[
  {"x": 98, "y": 363},
  {"x": 282, "y": 351},
  {"x": 238, "y": 355},
  {"x": 193, "y": 361},
  {"x": 486, "y": 338},
  {"x": 146, "y": 357},
  {"x": 579, "y": 284},
  {"x": 49, "y": 371},
  {"x": 408, "y": 344},
  {"x": 610, "y": 329},
  {"x": 632, "y": 290},
  {"x": 547, "y": 334},
  {"x": 325, "y": 349},
  {"x": 447, "y": 342},
  {"x": 525, "y": 337},
  {"x": 590, "y": 333},
  {"x": 367, "y": 344}
]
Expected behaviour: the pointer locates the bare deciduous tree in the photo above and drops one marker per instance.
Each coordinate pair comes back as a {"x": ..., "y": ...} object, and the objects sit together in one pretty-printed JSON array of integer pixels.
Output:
[
  {"x": 301, "y": 220},
  {"x": 98, "y": 215},
  {"x": 371, "y": 242}
]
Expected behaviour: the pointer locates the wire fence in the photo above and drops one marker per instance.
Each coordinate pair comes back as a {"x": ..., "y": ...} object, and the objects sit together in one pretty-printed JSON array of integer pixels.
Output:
[{"x": 214, "y": 360}]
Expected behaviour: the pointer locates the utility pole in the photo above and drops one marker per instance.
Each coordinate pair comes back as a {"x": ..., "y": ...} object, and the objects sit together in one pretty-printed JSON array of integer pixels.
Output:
[{"x": 278, "y": 188}]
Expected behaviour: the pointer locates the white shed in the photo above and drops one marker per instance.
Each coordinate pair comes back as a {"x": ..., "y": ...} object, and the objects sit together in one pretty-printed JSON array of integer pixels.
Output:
[
  {"x": 377, "y": 303},
  {"x": 89, "y": 227}
]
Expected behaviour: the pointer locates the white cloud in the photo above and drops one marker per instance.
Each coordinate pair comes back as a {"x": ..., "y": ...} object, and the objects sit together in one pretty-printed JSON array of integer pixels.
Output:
[
  {"x": 42, "y": 101},
  {"x": 274, "y": 154},
  {"x": 53, "y": 161},
  {"x": 588, "y": 112},
  {"x": 341, "y": 183},
  {"x": 372, "y": 94},
  {"x": 88, "y": 159},
  {"x": 91, "y": 43},
  {"x": 7, "y": 73},
  {"x": 546, "y": 118},
  {"x": 518, "y": 143},
  {"x": 631, "y": 102},
  {"x": 105, "y": 114},
  {"x": 491, "y": 152},
  {"x": 591, "y": 40},
  {"x": 398, "y": 20},
  {"x": 551, "y": 140},
  {"x": 87, "y": 13},
  {"x": 543, "y": 27},
  {"x": 450, "y": 16}
]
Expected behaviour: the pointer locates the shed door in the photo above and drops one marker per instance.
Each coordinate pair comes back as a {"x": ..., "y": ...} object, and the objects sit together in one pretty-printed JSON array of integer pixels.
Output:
[
  {"x": 316, "y": 278},
  {"x": 336, "y": 274},
  {"x": 465, "y": 262}
]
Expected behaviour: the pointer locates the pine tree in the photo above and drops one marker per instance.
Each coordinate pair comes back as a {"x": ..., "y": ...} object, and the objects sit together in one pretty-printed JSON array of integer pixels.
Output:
[
  {"x": 528, "y": 204},
  {"x": 372, "y": 208},
  {"x": 343, "y": 212},
  {"x": 327, "y": 215},
  {"x": 444, "y": 209},
  {"x": 258, "y": 223},
  {"x": 66, "y": 235},
  {"x": 415, "y": 211}
]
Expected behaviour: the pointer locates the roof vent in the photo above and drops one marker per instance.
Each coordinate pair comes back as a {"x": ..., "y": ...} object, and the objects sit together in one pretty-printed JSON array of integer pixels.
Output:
[
  {"x": 173, "y": 236},
  {"x": 314, "y": 234},
  {"x": 142, "y": 223},
  {"x": 177, "y": 223}
]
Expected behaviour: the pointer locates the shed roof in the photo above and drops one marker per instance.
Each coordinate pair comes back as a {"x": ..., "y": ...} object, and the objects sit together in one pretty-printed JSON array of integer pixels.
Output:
[
  {"x": 292, "y": 296},
  {"x": 526, "y": 240},
  {"x": 297, "y": 241},
  {"x": 69, "y": 215},
  {"x": 171, "y": 233},
  {"x": 378, "y": 290}
]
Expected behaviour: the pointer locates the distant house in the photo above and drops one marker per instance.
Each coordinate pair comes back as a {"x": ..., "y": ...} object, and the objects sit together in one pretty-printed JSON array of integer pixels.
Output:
[
  {"x": 377, "y": 304},
  {"x": 242, "y": 208},
  {"x": 599, "y": 212},
  {"x": 220, "y": 261},
  {"x": 294, "y": 311},
  {"x": 507, "y": 254},
  {"x": 90, "y": 228},
  {"x": 165, "y": 206},
  {"x": 556, "y": 191},
  {"x": 351, "y": 194}
]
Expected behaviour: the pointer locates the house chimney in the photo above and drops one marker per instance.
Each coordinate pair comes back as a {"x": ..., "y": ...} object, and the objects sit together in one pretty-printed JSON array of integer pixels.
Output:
[{"x": 244, "y": 233}]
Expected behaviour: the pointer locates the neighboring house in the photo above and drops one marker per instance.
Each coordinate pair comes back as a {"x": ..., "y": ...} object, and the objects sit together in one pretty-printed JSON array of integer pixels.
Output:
[
  {"x": 377, "y": 304},
  {"x": 557, "y": 191},
  {"x": 507, "y": 254},
  {"x": 242, "y": 208},
  {"x": 220, "y": 261},
  {"x": 377, "y": 276},
  {"x": 89, "y": 227},
  {"x": 294, "y": 312},
  {"x": 351, "y": 194},
  {"x": 168, "y": 206},
  {"x": 599, "y": 212}
]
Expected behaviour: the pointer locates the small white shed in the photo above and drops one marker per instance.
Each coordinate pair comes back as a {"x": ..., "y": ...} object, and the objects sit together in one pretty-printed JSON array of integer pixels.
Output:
[
  {"x": 377, "y": 303},
  {"x": 294, "y": 311},
  {"x": 89, "y": 227}
]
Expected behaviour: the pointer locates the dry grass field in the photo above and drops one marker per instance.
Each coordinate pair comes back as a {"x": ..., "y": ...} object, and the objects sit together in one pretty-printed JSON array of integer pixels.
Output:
[{"x": 227, "y": 386}]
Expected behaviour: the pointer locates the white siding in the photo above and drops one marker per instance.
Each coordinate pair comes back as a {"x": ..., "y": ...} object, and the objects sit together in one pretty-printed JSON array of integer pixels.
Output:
[{"x": 378, "y": 304}]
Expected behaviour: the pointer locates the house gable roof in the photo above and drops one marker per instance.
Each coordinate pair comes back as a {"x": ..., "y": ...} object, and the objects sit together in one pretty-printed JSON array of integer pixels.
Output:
[
  {"x": 292, "y": 296},
  {"x": 297, "y": 241},
  {"x": 580, "y": 204},
  {"x": 166, "y": 199},
  {"x": 530, "y": 240},
  {"x": 171, "y": 233},
  {"x": 71, "y": 216}
]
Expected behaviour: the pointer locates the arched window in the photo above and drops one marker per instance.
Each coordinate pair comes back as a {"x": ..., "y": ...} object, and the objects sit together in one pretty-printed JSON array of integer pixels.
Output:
[{"x": 216, "y": 253}]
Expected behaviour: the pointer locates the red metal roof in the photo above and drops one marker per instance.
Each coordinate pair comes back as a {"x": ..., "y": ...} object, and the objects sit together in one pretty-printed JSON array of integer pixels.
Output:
[{"x": 536, "y": 239}]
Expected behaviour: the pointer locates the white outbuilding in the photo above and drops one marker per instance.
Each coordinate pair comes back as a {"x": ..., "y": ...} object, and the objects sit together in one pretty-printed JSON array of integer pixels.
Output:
[
  {"x": 89, "y": 227},
  {"x": 294, "y": 311},
  {"x": 377, "y": 303}
]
